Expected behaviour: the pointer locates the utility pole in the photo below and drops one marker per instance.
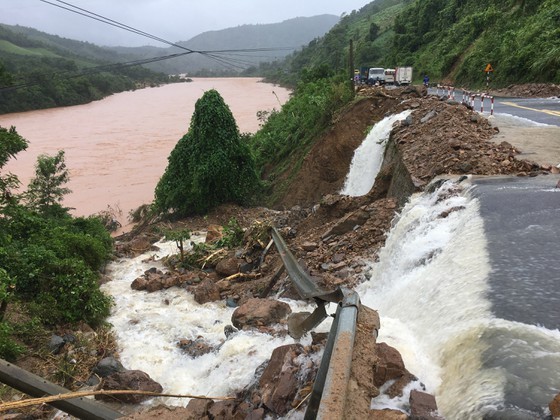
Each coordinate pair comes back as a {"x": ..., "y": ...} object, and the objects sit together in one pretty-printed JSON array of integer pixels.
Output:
[{"x": 351, "y": 64}]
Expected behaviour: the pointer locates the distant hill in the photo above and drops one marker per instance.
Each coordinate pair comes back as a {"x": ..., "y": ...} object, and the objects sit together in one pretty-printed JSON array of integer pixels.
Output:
[
  {"x": 290, "y": 35},
  {"x": 30, "y": 37},
  {"x": 38, "y": 70}
]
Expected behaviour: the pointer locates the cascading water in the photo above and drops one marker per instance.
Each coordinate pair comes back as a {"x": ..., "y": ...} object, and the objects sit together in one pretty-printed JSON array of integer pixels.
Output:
[
  {"x": 368, "y": 157},
  {"x": 148, "y": 327},
  {"x": 431, "y": 288}
]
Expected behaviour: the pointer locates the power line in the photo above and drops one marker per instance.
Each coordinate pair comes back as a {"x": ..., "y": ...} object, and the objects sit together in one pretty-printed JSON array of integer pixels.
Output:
[
  {"x": 214, "y": 55},
  {"x": 223, "y": 57},
  {"x": 103, "y": 19}
]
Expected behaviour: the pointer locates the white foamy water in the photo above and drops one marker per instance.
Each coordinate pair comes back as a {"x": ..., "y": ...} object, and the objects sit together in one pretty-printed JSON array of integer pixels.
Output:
[
  {"x": 430, "y": 295},
  {"x": 368, "y": 157},
  {"x": 430, "y": 287},
  {"x": 148, "y": 327}
]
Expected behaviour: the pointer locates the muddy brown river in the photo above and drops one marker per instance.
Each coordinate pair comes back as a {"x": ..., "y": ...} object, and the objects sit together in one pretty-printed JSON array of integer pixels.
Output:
[{"x": 117, "y": 148}]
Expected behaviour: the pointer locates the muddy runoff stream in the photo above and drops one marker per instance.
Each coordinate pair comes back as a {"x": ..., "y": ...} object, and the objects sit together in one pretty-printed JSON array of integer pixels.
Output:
[{"x": 116, "y": 148}]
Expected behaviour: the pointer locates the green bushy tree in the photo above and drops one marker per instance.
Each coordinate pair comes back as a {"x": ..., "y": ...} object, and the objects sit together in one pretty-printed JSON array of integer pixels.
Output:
[
  {"x": 46, "y": 191},
  {"x": 11, "y": 143},
  {"x": 210, "y": 165},
  {"x": 48, "y": 259}
]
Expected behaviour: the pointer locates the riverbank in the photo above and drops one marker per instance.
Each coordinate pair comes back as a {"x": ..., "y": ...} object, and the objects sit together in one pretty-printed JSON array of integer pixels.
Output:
[
  {"x": 116, "y": 149},
  {"x": 335, "y": 235}
]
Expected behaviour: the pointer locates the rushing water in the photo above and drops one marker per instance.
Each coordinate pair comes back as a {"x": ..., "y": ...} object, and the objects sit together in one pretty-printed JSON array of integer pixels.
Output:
[
  {"x": 467, "y": 289},
  {"x": 148, "y": 327},
  {"x": 368, "y": 157},
  {"x": 117, "y": 148},
  {"x": 434, "y": 287},
  {"x": 466, "y": 285}
]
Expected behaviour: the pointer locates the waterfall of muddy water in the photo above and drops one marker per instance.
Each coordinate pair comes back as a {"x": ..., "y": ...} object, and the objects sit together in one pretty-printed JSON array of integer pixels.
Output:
[
  {"x": 117, "y": 148},
  {"x": 148, "y": 327},
  {"x": 368, "y": 157},
  {"x": 433, "y": 288}
]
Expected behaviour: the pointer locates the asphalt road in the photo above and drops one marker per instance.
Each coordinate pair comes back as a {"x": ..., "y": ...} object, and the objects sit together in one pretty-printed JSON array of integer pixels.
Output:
[
  {"x": 539, "y": 110},
  {"x": 532, "y": 125}
]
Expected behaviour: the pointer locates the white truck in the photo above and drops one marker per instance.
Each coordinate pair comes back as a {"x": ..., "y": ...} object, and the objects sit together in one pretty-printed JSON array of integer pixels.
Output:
[
  {"x": 390, "y": 76},
  {"x": 403, "y": 76},
  {"x": 376, "y": 76}
]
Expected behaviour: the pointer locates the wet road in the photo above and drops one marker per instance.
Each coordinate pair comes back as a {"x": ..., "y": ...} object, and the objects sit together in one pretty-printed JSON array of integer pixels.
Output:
[
  {"x": 522, "y": 223},
  {"x": 539, "y": 110}
]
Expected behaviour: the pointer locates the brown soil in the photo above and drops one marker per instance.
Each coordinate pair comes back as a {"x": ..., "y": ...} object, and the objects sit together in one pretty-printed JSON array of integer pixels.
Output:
[
  {"x": 529, "y": 90},
  {"x": 440, "y": 138}
]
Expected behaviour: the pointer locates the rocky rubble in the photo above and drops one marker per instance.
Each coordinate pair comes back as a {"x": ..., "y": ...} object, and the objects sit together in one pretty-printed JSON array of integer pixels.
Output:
[
  {"x": 444, "y": 138},
  {"x": 531, "y": 90},
  {"x": 334, "y": 239}
]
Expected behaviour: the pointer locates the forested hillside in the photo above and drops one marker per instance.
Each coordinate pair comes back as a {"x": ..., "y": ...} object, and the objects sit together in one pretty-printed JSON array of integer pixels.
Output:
[
  {"x": 38, "y": 70},
  {"x": 456, "y": 39},
  {"x": 450, "y": 40}
]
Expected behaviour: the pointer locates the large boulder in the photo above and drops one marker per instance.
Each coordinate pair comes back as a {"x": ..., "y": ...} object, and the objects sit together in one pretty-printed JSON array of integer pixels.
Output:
[
  {"x": 107, "y": 366},
  {"x": 228, "y": 266},
  {"x": 131, "y": 379},
  {"x": 154, "y": 280},
  {"x": 260, "y": 312},
  {"x": 389, "y": 365},
  {"x": 278, "y": 382},
  {"x": 207, "y": 291},
  {"x": 423, "y": 406}
]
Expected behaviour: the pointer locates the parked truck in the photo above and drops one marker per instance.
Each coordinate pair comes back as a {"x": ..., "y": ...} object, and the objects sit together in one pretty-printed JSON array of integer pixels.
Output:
[
  {"x": 376, "y": 76},
  {"x": 390, "y": 76},
  {"x": 403, "y": 76}
]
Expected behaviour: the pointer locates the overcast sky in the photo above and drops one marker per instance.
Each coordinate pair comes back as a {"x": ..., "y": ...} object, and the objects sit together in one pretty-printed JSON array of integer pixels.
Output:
[{"x": 172, "y": 20}]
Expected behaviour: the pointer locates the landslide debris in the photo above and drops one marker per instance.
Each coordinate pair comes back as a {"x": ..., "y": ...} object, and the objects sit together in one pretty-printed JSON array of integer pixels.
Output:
[
  {"x": 529, "y": 90},
  {"x": 335, "y": 236}
]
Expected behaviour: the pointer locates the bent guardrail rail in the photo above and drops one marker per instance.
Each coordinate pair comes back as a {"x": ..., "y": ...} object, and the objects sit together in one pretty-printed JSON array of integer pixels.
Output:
[
  {"x": 330, "y": 387},
  {"x": 306, "y": 288}
]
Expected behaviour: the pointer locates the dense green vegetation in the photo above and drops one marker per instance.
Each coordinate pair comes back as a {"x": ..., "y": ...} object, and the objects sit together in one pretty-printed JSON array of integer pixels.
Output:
[
  {"x": 370, "y": 29},
  {"x": 447, "y": 39},
  {"x": 43, "y": 71},
  {"x": 50, "y": 260},
  {"x": 456, "y": 39},
  {"x": 287, "y": 135},
  {"x": 210, "y": 165}
]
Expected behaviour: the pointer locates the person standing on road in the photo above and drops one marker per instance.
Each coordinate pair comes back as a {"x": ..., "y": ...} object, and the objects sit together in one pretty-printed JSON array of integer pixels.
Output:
[{"x": 426, "y": 80}]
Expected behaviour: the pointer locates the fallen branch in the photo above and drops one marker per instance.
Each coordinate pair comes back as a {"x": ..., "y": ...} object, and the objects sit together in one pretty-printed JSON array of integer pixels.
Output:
[
  {"x": 238, "y": 275},
  {"x": 79, "y": 394},
  {"x": 209, "y": 257}
]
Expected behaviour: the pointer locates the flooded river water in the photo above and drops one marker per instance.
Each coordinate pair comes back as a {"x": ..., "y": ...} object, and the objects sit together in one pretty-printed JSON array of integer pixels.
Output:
[{"x": 117, "y": 148}]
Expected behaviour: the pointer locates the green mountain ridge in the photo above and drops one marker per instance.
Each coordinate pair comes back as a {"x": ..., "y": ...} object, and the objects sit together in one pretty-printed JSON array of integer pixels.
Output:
[
  {"x": 450, "y": 40},
  {"x": 38, "y": 71}
]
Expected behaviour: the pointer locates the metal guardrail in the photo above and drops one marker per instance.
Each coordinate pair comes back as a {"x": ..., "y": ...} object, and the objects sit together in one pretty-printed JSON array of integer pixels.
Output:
[
  {"x": 468, "y": 98},
  {"x": 329, "y": 389},
  {"x": 35, "y": 386},
  {"x": 331, "y": 383}
]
